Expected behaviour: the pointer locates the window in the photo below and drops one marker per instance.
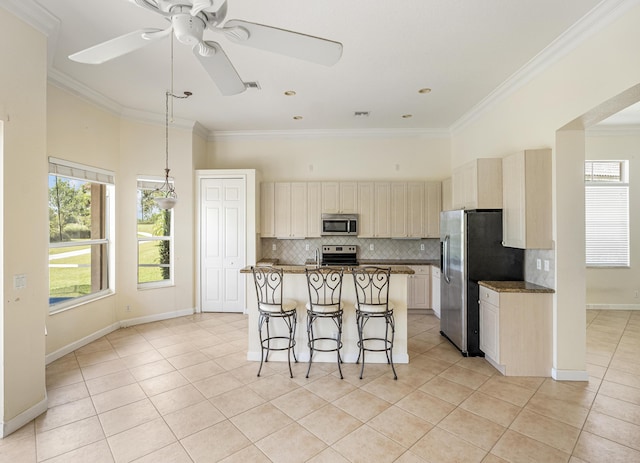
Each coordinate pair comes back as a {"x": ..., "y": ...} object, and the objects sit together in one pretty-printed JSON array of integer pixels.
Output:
[
  {"x": 607, "y": 213},
  {"x": 79, "y": 233},
  {"x": 155, "y": 236}
]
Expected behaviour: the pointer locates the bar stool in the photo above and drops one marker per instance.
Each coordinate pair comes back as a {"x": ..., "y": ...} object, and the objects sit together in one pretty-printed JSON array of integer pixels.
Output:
[
  {"x": 268, "y": 281},
  {"x": 325, "y": 302},
  {"x": 372, "y": 302}
]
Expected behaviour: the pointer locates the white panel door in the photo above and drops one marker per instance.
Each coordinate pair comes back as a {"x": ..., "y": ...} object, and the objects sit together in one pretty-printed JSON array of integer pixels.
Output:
[{"x": 222, "y": 204}]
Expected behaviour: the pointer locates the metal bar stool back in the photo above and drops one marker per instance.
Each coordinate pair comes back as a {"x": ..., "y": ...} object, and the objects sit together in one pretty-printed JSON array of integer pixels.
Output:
[
  {"x": 325, "y": 302},
  {"x": 269, "y": 282},
  {"x": 372, "y": 302}
]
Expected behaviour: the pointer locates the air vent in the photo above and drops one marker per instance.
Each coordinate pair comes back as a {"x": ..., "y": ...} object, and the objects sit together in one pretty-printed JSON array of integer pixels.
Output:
[
  {"x": 361, "y": 114},
  {"x": 255, "y": 85}
]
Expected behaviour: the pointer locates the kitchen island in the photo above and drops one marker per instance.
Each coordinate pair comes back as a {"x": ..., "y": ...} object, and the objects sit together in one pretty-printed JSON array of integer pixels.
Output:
[{"x": 295, "y": 287}]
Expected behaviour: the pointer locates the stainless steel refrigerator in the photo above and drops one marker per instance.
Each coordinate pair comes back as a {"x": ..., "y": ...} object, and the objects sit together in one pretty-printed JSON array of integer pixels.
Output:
[{"x": 472, "y": 251}]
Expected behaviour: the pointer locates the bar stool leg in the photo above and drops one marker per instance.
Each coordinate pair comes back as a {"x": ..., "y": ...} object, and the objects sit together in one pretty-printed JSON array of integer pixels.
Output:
[
  {"x": 261, "y": 320},
  {"x": 310, "y": 336},
  {"x": 390, "y": 321},
  {"x": 339, "y": 342}
]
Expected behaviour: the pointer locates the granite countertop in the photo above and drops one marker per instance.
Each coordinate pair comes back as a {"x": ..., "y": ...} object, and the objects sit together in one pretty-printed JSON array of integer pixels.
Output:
[
  {"x": 434, "y": 262},
  {"x": 515, "y": 287},
  {"x": 294, "y": 269}
]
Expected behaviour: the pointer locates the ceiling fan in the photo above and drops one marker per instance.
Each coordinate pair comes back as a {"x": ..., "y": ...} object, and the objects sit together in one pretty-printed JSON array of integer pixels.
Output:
[{"x": 191, "y": 18}]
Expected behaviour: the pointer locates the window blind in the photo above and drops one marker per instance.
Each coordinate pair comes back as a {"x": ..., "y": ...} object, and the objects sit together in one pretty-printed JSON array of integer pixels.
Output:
[
  {"x": 607, "y": 225},
  {"x": 80, "y": 172}
]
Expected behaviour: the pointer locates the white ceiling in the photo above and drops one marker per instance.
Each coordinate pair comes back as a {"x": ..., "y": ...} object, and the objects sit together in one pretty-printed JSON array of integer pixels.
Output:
[{"x": 462, "y": 49}]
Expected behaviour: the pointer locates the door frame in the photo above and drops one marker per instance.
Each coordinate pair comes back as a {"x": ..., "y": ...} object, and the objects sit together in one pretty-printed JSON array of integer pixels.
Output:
[{"x": 249, "y": 176}]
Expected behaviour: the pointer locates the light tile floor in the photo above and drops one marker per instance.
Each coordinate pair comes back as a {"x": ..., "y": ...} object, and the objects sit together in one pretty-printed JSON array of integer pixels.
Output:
[{"x": 181, "y": 391}]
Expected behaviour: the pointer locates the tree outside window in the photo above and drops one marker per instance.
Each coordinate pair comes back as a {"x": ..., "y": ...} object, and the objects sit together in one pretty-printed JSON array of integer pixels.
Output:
[{"x": 154, "y": 235}]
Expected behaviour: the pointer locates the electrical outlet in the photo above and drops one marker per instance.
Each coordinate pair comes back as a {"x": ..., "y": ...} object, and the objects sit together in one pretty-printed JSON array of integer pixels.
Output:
[
  {"x": 273, "y": 247},
  {"x": 635, "y": 294},
  {"x": 539, "y": 264},
  {"x": 306, "y": 247},
  {"x": 422, "y": 247},
  {"x": 546, "y": 265},
  {"x": 128, "y": 308},
  {"x": 371, "y": 247}
]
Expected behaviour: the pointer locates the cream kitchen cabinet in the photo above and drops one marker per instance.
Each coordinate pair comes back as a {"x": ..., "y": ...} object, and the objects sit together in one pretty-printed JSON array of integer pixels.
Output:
[
  {"x": 516, "y": 331},
  {"x": 314, "y": 209},
  {"x": 415, "y": 210},
  {"x": 398, "y": 210},
  {"x": 526, "y": 200},
  {"x": 432, "y": 209},
  {"x": 340, "y": 197},
  {"x": 366, "y": 210},
  {"x": 478, "y": 185},
  {"x": 419, "y": 288},
  {"x": 447, "y": 194},
  {"x": 382, "y": 209},
  {"x": 290, "y": 209},
  {"x": 267, "y": 204},
  {"x": 435, "y": 290}
]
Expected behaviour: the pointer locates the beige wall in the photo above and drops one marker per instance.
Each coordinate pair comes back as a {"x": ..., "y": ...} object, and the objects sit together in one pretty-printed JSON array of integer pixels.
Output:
[
  {"x": 338, "y": 157},
  {"x": 600, "y": 68},
  {"x": 24, "y": 221},
  {"x": 618, "y": 286}
]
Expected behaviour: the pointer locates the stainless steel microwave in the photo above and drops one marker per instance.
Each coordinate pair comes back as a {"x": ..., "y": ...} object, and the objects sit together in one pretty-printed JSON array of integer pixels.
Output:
[{"x": 339, "y": 224}]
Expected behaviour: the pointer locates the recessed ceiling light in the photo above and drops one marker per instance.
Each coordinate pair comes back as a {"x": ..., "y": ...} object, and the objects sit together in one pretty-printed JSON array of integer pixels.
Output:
[
  {"x": 407, "y": 116},
  {"x": 290, "y": 93},
  {"x": 424, "y": 90},
  {"x": 297, "y": 118}
]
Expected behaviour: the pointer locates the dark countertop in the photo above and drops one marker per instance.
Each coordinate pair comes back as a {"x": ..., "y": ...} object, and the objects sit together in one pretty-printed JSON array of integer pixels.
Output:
[
  {"x": 515, "y": 287},
  {"x": 434, "y": 262},
  {"x": 293, "y": 269}
]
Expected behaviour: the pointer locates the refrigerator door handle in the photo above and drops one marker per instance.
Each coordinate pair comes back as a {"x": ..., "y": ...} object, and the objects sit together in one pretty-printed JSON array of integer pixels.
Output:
[{"x": 445, "y": 259}]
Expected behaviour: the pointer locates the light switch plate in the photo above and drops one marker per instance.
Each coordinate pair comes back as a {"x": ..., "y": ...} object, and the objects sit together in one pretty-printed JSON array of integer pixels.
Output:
[
  {"x": 546, "y": 265},
  {"x": 539, "y": 264}
]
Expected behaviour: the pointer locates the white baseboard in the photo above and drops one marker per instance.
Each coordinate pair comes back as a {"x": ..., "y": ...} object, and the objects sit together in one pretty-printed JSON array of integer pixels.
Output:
[
  {"x": 7, "y": 427},
  {"x": 111, "y": 328},
  {"x": 569, "y": 375},
  {"x": 80, "y": 343},
  {"x": 155, "y": 318},
  {"x": 613, "y": 306}
]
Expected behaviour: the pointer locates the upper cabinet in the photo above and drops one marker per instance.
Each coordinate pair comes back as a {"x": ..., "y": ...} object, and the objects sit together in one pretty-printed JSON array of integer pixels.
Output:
[
  {"x": 385, "y": 209},
  {"x": 432, "y": 209},
  {"x": 267, "y": 204},
  {"x": 290, "y": 210},
  {"x": 478, "y": 185},
  {"x": 340, "y": 197},
  {"x": 527, "y": 200},
  {"x": 447, "y": 194},
  {"x": 314, "y": 208}
]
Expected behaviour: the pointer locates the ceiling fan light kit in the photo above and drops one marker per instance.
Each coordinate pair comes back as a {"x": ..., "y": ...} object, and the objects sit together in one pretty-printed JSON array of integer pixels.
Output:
[{"x": 190, "y": 19}]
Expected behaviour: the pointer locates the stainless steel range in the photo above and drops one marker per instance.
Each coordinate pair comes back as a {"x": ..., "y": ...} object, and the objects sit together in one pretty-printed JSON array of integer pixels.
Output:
[{"x": 340, "y": 255}]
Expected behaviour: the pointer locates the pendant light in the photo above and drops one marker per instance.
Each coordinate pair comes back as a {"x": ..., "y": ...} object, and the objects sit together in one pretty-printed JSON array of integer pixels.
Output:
[{"x": 166, "y": 196}]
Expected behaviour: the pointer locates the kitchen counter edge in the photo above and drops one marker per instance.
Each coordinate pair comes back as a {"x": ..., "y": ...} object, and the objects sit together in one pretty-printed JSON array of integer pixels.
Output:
[
  {"x": 515, "y": 287},
  {"x": 292, "y": 269}
]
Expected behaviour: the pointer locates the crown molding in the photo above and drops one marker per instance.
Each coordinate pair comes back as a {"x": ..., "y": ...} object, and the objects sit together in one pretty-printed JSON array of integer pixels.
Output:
[
  {"x": 70, "y": 85},
  {"x": 329, "y": 133},
  {"x": 599, "y": 17},
  {"x": 33, "y": 14}
]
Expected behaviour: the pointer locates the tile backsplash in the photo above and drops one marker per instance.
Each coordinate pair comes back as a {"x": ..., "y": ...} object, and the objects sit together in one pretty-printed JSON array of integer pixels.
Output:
[
  {"x": 295, "y": 251},
  {"x": 542, "y": 277}
]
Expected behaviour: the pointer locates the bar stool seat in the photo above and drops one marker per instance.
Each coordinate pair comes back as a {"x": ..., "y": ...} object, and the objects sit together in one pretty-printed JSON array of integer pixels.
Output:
[
  {"x": 372, "y": 302},
  {"x": 325, "y": 303},
  {"x": 268, "y": 282}
]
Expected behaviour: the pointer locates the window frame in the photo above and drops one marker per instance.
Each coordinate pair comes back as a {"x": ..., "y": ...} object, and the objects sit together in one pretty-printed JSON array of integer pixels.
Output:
[
  {"x": 594, "y": 185},
  {"x": 156, "y": 181},
  {"x": 74, "y": 171}
]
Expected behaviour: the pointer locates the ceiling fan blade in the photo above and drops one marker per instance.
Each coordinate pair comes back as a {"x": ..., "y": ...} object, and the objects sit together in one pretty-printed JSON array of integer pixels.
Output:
[
  {"x": 284, "y": 42},
  {"x": 160, "y": 8},
  {"x": 217, "y": 64},
  {"x": 119, "y": 46}
]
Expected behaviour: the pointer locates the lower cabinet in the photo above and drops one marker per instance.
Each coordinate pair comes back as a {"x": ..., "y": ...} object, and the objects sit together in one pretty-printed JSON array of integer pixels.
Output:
[
  {"x": 419, "y": 288},
  {"x": 435, "y": 290},
  {"x": 516, "y": 331}
]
